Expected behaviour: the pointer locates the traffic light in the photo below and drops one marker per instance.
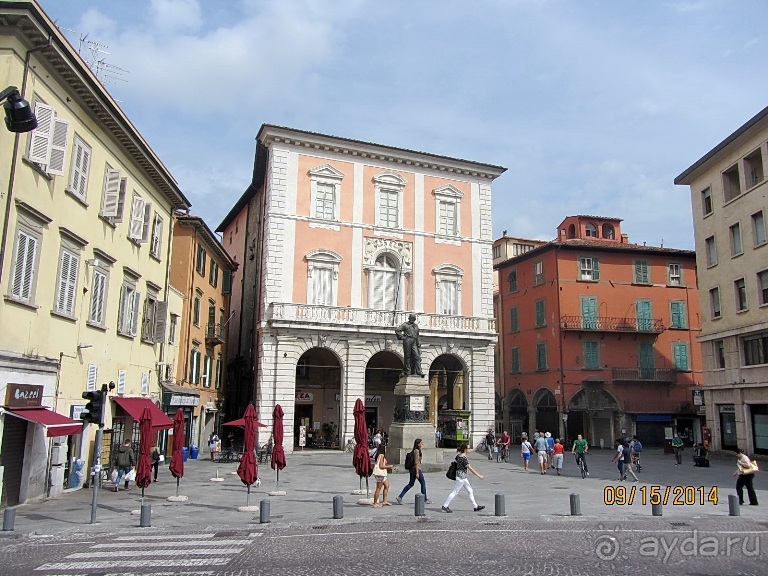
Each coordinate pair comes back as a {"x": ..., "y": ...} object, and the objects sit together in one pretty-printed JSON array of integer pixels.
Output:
[{"x": 94, "y": 408}]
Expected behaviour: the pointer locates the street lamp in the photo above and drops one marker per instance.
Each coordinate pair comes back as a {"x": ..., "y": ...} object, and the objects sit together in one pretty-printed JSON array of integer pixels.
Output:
[{"x": 18, "y": 113}]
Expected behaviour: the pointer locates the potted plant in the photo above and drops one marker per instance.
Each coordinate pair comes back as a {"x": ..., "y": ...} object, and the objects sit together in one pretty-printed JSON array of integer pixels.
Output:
[{"x": 329, "y": 433}]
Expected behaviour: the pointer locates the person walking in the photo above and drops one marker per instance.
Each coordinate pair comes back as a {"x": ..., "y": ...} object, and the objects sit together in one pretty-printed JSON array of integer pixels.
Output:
[
  {"x": 462, "y": 466},
  {"x": 677, "y": 446},
  {"x": 558, "y": 451},
  {"x": 541, "y": 451},
  {"x": 213, "y": 445},
  {"x": 124, "y": 462},
  {"x": 416, "y": 473},
  {"x": 380, "y": 473},
  {"x": 580, "y": 449},
  {"x": 618, "y": 457},
  {"x": 490, "y": 441},
  {"x": 745, "y": 474},
  {"x": 550, "y": 449},
  {"x": 627, "y": 456},
  {"x": 154, "y": 454},
  {"x": 525, "y": 451}
]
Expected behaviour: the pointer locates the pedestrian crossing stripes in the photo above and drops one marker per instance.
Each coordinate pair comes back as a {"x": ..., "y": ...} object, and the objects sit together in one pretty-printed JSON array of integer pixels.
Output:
[{"x": 169, "y": 553}]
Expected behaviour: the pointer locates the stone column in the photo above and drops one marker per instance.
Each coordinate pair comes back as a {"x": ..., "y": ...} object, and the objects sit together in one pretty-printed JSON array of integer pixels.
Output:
[{"x": 411, "y": 421}]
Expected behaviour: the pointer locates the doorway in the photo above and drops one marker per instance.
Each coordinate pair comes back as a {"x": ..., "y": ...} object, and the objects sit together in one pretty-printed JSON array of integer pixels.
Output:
[{"x": 302, "y": 417}]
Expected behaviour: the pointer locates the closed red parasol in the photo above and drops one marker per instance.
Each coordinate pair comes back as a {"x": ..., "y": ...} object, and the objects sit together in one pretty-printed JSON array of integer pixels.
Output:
[
  {"x": 144, "y": 469},
  {"x": 177, "y": 457},
  {"x": 278, "y": 454},
  {"x": 248, "y": 469},
  {"x": 361, "y": 459}
]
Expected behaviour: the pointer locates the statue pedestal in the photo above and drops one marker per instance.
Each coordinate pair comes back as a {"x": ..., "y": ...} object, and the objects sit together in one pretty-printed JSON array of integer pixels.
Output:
[{"x": 411, "y": 422}]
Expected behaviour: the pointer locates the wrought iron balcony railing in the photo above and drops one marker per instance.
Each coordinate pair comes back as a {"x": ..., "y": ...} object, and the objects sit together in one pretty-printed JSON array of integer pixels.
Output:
[
  {"x": 611, "y": 324},
  {"x": 662, "y": 375},
  {"x": 214, "y": 334}
]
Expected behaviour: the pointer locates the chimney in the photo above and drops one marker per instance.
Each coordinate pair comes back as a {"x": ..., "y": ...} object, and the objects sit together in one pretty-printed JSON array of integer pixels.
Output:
[
  {"x": 624, "y": 239},
  {"x": 562, "y": 234}
]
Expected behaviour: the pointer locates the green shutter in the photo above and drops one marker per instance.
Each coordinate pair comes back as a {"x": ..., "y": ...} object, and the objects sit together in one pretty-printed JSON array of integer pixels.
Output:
[
  {"x": 515, "y": 364},
  {"x": 226, "y": 283},
  {"x": 541, "y": 356},
  {"x": 514, "y": 322},
  {"x": 680, "y": 353},
  {"x": 540, "y": 314},
  {"x": 591, "y": 355},
  {"x": 595, "y": 269},
  {"x": 678, "y": 313}
]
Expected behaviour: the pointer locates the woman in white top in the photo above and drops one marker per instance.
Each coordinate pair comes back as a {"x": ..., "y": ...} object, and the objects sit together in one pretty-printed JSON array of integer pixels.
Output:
[
  {"x": 380, "y": 473},
  {"x": 745, "y": 473},
  {"x": 462, "y": 467}
]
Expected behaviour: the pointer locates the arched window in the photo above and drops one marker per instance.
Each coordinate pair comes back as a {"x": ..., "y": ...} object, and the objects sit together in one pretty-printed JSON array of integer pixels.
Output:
[
  {"x": 608, "y": 231},
  {"x": 571, "y": 231},
  {"x": 591, "y": 230},
  {"x": 383, "y": 283},
  {"x": 448, "y": 289},
  {"x": 512, "y": 280}
]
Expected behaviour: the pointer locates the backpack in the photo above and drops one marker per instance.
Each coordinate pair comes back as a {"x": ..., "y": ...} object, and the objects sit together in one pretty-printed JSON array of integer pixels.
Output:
[
  {"x": 638, "y": 447},
  {"x": 451, "y": 474},
  {"x": 409, "y": 460}
]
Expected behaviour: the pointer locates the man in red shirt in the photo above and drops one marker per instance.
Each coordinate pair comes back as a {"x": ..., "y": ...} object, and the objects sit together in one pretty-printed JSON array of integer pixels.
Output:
[
  {"x": 558, "y": 450},
  {"x": 503, "y": 442}
]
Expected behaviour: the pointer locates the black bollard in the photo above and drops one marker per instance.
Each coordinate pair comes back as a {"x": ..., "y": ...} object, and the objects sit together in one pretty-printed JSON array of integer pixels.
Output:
[
  {"x": 420, "y": 501},
  {"x": 734, "y": 508},
  {"x": 656, "y": 509},
  {"x": 575, "y": 505},
  {"x": 146, "y": 515},
  {"x": 500, "y": 507},
  {"x": 338, "y": 507},
  {"x": 264, "y": 512},
  {"x": 9, "y": 517}
]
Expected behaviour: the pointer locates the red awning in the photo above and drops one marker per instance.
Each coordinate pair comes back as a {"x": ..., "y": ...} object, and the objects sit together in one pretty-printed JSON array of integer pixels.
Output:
[
  {"x": 135, "y": 406},
  {"x": 55, "y": 423}
]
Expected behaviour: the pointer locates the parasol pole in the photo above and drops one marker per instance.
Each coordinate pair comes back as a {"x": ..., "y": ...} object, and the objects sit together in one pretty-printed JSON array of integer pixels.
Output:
[
  {"x": 277, "y": 481},
  {"x": 142, "y": 495},
  {"x": 177, "y": 487},
  {"x": 248, "y": 496},
  {"x": 367, "y": 490}
]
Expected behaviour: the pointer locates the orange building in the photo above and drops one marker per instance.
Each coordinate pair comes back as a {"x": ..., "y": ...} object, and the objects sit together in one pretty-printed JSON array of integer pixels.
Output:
[{"x": 599, "y": 337}]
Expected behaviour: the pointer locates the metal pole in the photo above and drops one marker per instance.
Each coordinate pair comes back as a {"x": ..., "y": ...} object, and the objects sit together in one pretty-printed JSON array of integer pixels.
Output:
[
  {"x": 575, "y": 505},
  {"x": 418, "y": 509},
  {"x": 96, "y": 472},
  {"x": 146, "y": 515},
  {"x": 500, "y": 508},
  {"x": 338, "y": 507},
  {"x": 264, "y": 512},
  {"x": 656, "y": 509}
]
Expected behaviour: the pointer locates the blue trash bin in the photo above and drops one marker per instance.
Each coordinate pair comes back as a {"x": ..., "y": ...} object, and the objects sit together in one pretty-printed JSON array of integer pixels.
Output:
[
  {"x": 184, "y": 453},
  {"x": 193, "y": 452}
]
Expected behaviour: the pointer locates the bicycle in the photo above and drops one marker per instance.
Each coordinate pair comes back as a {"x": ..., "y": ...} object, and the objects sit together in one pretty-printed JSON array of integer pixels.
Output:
[
  {"x": 580, "y": 462},
  {"x": 350, "y": 447},
  {"x": 502, "y": 454}
]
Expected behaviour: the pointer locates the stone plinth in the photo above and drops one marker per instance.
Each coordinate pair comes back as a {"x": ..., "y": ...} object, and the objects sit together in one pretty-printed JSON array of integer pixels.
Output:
[{"x": 411, "y": 422}]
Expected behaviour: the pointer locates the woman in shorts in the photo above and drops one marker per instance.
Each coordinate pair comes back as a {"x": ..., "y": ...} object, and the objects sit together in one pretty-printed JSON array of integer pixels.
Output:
[
  {"x": 380, "y": 473},
  {"x": 525, "y": 451}
]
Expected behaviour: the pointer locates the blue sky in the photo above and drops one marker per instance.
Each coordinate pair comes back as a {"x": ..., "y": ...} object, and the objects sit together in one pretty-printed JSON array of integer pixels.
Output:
[{"x": 593, "y": 106}]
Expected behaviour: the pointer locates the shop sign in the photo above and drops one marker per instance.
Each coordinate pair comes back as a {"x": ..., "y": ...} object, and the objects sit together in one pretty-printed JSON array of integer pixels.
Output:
[
  {"x": 306, "y": 397},
  {"x": 369, "y": 398},
  {"x": 23, "y": 395},
  {"x": 183, "y": 400},
  {"x": 698, "y": 398},
  {"x": 727, "y": 409}
]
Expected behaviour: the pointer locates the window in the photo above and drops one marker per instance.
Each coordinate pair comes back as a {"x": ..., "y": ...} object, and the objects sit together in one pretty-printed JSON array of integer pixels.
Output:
[
  {"x": 157, "y": 236},
  {"x": 512, "y": 280},
  {"x": 207, "y": 371},
  {"x": 172, "y": 328},
  {"x": 514, "y": 365},
  {"x": 674, "y": 274},
  {"x": 740, "y": 290},
  {"x": 210, "y": 328},
  {"x": 590, "y": 230},
  {"x": 113, "y": 195},
  {"x": 541, "y": 316},
  {"x": 706, "y": 201},
  {"x": 448, "y": 279},
  {"x": 323, "y": 274},
  {"x": 711, "y": 249},
  {"x": 538, "y": 273},
  {"x": 758, "y": 228},
  {"x": 145, "y": 383},
  {"x": 719, "y": 353},
  {"x": 589, "y": 320},
  {"x": 92, "y": 377},
  {"x": 589, "y": 269},
  {"x": 389, "y": 192},
  {"x": 153, "y": 323},
  {"x": 325, "y": 192},
  {"x": 514, "y": 319},
  {"x": 755, "y": 349},
  {"x": 121, "y": 381},
  {"x": 714, "y": 302},
  {"x": 141, "y": 211},
  {"x": 200, "y": 261},
  {"x": 646, "y": 361},
  {"x": 643, "y": 315},
  {"x": 519, "y": 249},
  {"x": 196, "y": 309},
  {"x": 448, "y": 205},
  {"x": 642, "y": 273},
  {"x": 762, "y": 287},
  {"x": 608, "y": 231},
  {"x": 753, "y": 168},
  {"x": 66, "y": 283},
  {"x": 99, "y": 284},
  {"x": 734, "y": 233},
  {"x": 680, "y": 355},
  {"x": 48, "y": 142},
  {"x": 731, "y": 184},
  {"x": 78, "y": 171},
  {"x": 541, "y": 356},
  {"x": 213, "y": 274},
  {"x": 497, "y": 252},
  {"x": 26, "y": 257},
  {"x": 677, "y": 314},
  {"x": 591, "y": 355},
  {"x": 219, "y": 372},
  {"x": 128, "y": 315},
  {"x": 194, "y": 366},
  {"x": 383, "y": 283}
]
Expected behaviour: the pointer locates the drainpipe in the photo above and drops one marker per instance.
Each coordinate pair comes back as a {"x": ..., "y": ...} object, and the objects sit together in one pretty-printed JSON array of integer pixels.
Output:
[
  {"x": 14, "y": 161},
  {"x": 563, "y": 423}
]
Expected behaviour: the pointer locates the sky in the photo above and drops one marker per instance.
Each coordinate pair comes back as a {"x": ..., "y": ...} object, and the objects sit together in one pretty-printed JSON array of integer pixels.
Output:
[{"x": 593, "y": 106}]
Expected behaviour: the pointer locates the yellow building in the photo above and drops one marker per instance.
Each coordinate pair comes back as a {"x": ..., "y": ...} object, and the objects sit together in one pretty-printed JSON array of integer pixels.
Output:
[
  {"x": 202, "y": 272},
  {"x": 84, "y": 258}
]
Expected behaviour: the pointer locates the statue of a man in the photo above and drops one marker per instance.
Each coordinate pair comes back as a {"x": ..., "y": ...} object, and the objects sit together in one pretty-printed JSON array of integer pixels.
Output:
[{"x": 408, "y": 332}]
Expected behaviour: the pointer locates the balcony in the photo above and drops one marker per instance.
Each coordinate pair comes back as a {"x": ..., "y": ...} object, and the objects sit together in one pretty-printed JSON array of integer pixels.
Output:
[
  {"x": 662, "y": 376},
  {"x": 373, "y": 321},
  {"x": 214, "y": 334},
  {"x": 611, "y": 324}
]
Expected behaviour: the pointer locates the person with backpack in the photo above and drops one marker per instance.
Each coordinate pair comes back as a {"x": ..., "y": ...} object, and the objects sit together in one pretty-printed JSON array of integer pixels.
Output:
[
  {"x": 525, "y": 451},
  {"x": 635, "y": 448},
  {"x": 462, "y": 466},
  {"x": 413, "y": 465}
]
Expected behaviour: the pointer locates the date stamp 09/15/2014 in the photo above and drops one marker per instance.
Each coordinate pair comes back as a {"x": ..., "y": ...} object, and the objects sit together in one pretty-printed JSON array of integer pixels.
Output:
[{"x": 664, "y": 495}]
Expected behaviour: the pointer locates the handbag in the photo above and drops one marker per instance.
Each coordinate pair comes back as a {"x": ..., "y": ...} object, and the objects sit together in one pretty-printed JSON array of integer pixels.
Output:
[
  {"x": 753, "y": 468},
  {"x": 451, "y": 473}
]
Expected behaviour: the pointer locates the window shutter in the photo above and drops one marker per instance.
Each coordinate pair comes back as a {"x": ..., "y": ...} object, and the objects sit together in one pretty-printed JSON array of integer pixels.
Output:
[
  {"x": 23, "y": 267},
  {"x": 121, "y": 381},
  {"x": 595, "y": 269},
  {"x": 226, "y": 283},
  {"x": 147, "y": 321},
  {"x": 65, "y": 299},
  {"x": 161, "y": 312},
  {"x": 144, "y": 383},
  {"x": 146, "y": 221},
  {"x": 97, "y": 298},
  {"x": 137, "y": 218},
  {"x": 157, "y": 236},
  {"x": 40, "y": 139},
  {"x": 378, "y": 281},
  {"x": 58, "y": 147},
  {"x": 111, "y": 193},
  {"x": 135, "y": 313},
  {"x": 121, "y": 199},
  {"x": 81, "y": 158},
  {"x": 122, "y": 313},
  {"x": 93, "y": 371}
]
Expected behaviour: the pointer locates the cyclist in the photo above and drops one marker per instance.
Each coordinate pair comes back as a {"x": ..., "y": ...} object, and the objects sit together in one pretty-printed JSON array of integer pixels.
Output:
[
  {"x": 580, "y": 449},
  {"x": 503, "y": 442},
  {"x": 490, "y": 441}
]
